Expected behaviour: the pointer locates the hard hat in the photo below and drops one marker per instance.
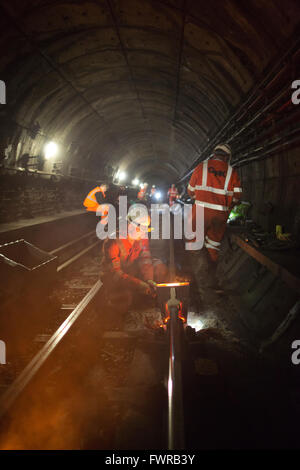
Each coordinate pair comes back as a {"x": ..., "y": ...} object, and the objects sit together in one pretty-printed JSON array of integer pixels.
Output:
[
  {"x": 141, "y": 220},
  {"x": 225, "y": 148},
  {"x": 153, "y": 186}
]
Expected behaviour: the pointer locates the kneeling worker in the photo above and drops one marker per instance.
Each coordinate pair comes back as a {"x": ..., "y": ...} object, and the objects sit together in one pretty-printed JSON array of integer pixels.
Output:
[
  {"x": 127, "y": 266},
  {"x": 95, "y": 197}
]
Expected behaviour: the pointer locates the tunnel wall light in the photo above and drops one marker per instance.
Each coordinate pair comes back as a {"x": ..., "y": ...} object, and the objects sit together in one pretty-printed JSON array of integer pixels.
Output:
[
  {"x": 135, "y": 182},
  {"x": 50, "y": 150},
  {"x": 122, "y": 176}
]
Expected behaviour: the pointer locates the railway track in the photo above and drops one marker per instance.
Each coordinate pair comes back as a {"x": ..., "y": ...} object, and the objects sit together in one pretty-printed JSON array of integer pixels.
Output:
[
  {"x": 129, "y": 342},
  {"x": 67, "y": 297},
  {"x": 95, "y": 383}
]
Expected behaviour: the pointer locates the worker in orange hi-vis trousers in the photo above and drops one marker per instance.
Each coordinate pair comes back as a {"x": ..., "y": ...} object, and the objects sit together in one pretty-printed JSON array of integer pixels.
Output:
[
  {"x": 173, "y": 194},
  {"x": 215, "y": 186}
]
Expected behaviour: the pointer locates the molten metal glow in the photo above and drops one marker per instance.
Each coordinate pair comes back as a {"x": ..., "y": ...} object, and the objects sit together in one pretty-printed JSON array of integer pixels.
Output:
[
  {"x": 167, "y": 317},
  {"x": 173, "y": 284}
]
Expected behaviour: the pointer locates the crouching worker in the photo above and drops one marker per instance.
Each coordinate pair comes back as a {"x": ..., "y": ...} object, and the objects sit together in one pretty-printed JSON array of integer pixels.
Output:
[{"x": 128, "y": 271}]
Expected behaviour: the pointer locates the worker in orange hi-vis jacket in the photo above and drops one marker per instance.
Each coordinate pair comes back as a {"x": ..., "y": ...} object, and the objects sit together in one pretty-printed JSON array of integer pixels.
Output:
[
  {"x": 96, "y": 201},
  {"x": 215, "y": 186},
  {"x": 142, "y": 192},
  {"x": 92, "y": 201},
  {"x": 127, "y": 267},
  {"x": 173, "y": 194}
]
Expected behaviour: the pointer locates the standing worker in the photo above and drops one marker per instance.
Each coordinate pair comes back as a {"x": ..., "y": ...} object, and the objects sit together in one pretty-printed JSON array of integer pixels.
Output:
[
  {"x": 142, "y": 192},
  {"x": 216, "y": 186},
  {"x": 153, "y": 191},
  {"x": 173, "y": 194}
]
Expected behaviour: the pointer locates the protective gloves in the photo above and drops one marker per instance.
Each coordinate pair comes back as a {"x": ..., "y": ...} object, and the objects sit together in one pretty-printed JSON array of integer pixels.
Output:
[
  {"x": 145, "y": 288},
  {"x": 152, "y": 285}
]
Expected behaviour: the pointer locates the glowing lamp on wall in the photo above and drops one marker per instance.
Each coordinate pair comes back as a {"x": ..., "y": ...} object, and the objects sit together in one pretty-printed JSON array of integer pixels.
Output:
[
  {"x": 51, "y": 149},
  {"x": 122, "y": 176}
]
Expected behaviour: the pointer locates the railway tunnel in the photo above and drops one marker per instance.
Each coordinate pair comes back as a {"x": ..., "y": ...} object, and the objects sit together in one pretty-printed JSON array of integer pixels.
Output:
[{"x": 122, "y": 93}]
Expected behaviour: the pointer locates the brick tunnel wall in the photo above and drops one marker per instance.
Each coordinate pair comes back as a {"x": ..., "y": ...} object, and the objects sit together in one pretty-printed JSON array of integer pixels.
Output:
[
  {"x": 272, "y": 186},
  {"x": 23, "y": 197}
]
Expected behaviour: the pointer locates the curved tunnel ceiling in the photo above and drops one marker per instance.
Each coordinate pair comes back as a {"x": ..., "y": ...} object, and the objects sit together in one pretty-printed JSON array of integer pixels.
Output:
[{"x": 140, "y": 84}]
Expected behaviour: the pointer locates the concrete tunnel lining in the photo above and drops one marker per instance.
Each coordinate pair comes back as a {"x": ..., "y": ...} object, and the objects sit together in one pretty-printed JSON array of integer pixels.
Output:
[{"x": 217, "y": 53}]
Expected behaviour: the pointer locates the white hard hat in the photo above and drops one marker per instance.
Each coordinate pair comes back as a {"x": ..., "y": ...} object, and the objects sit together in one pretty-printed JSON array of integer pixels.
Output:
[
  {"x": 140, "y": 220},
  {"x": 224, "y": 148}
]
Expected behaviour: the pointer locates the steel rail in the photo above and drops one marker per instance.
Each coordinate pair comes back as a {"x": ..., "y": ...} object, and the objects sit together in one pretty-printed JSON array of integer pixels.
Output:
[
  {"x": 17, "y": 387},
  {"x": 76, "y": 257},
  {"x": 70, "y": 243},
  {"x": 175, "y": 393}
]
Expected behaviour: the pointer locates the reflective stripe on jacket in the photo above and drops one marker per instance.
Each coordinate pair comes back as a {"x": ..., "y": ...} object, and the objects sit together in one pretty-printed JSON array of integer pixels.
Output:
[
  {"x": 90, "y": 201},
  {"x": 172, "y": 193},
  {"x": 215, "y": 185},
  {"x": 141, "y": 194}
]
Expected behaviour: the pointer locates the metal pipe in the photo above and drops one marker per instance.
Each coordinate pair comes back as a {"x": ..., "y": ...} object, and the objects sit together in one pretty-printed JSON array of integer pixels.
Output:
[
  {"x": 280, "y": 95},
  {"x": 279, "y": 138},
  {"x": 234, "y": 118},
  {"x": 266, "y": 153},
  {"x": 248, "y": 123},
  {"x": 280, "y": 125}
]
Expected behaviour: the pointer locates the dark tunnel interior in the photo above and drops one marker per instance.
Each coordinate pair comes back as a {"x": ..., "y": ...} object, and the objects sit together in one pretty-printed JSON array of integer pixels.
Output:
[{"x": 127, "y": 92}]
